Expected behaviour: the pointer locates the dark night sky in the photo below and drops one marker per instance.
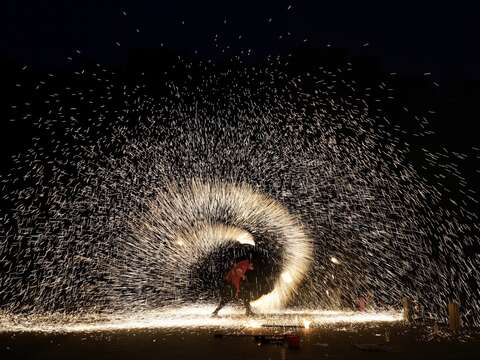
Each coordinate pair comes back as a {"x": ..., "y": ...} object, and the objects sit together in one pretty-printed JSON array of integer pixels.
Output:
[{"x": 408, "y": 37}]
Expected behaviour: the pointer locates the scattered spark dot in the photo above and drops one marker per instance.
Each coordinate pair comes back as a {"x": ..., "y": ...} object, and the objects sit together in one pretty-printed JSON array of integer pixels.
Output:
[{"x": 334, "y": 260}]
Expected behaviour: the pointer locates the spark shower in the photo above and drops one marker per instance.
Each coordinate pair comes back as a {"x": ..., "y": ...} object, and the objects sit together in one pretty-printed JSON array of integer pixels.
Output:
[{"x": 123, "y": 190}]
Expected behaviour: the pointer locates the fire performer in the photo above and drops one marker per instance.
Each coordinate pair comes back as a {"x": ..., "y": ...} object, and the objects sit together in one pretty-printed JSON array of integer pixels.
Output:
[{"x": 231, "y": 288}]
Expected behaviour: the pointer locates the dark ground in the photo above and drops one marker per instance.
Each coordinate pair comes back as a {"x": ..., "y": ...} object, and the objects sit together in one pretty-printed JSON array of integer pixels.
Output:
[{"x": 383, "y": 341}]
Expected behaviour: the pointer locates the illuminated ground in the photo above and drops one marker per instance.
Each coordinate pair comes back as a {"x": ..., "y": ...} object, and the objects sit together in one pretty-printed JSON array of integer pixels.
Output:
[
  {"x": 190, "y": 333},
  {"x": 190, "y": 317}
]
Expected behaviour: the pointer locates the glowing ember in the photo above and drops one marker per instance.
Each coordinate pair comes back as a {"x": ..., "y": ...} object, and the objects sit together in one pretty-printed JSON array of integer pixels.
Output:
[
  {"x": 334, "y": 260},
  {"x": 306, "y": 324},
  {"x": 286, "y": 277}
]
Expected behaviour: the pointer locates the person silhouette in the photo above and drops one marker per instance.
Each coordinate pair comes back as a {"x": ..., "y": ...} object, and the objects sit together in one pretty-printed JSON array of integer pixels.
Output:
[{"x": 231, "y": 287}]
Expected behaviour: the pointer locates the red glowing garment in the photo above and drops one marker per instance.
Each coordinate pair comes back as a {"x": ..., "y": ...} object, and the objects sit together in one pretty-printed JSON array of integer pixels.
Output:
[
  {"x": 237, "y": 273},
  {"x": 362, "y": 304}
]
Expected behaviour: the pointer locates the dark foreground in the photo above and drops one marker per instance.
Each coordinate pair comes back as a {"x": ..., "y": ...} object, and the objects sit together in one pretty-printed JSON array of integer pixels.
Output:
[{"x": 379, "y": 341}]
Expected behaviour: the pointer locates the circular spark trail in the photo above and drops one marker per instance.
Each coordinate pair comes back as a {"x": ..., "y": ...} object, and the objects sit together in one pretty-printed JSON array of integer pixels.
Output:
[{"x": 185, "y": 223}]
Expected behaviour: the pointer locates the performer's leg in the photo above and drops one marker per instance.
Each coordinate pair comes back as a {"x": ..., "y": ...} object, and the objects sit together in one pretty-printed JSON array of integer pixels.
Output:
[
  {"x": 223, "y": 302},
  {"x": 225, "y": 297},
  {"x": 246, "y": 303}
]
